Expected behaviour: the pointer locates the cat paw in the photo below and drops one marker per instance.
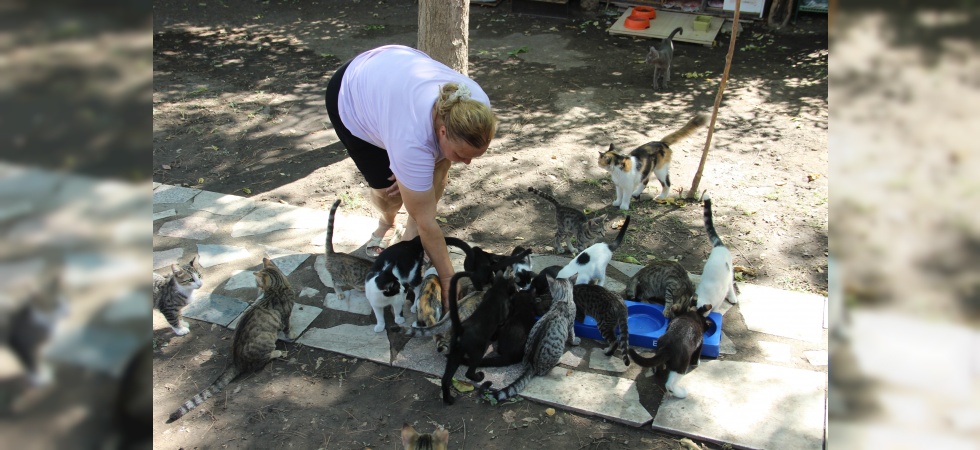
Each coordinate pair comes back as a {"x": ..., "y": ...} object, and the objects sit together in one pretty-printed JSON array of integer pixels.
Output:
[
  {"x": 183, "y": 324},
  {"x": 667, "y": 312},
  {"x": 678, "y": 392},
  {"x": 448, "y": 399},
  {"x": 399, "y": 320},
  {"x": 278, "y": 354},
  {"x": 624, "y": 207},
  {"x": 616, "y": 203},
  {"x": 576, "y": 340},
  {"x": 415, "y": 308},
  {"x": 182, "y": 331},
  {"x": 379, "y": 328},
  {"x": 478, "y": 377}
]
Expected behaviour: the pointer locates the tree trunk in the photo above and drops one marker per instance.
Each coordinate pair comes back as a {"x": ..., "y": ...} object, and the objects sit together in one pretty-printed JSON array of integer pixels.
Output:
[{"x": 444, "y": 32}]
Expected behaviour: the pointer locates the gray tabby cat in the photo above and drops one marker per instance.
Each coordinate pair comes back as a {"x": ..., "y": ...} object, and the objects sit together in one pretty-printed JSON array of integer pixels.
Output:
[
  {"x": 173, "y": 292},
  {"x": 662, "y": 57},
  {"x": 546, "y": 342},
  {"x": 254, "y": 344},
  {"x": 609, "y": 312},
  {"x": 663, "y": 280},
  {"x": 347, "y": 271},
  {"x": 573, "y": 223}
]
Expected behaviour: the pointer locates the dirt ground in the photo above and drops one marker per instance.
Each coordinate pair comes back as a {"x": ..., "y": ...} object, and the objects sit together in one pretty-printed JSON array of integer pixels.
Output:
[{"x": 238, "y": 109}]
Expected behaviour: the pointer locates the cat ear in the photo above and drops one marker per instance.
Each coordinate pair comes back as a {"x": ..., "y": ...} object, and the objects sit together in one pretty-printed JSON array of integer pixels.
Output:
[
  {"x": 194, "y": 262},
  {"x": 409, "y": 436},
  {"x": 267, "y": 263},
  {"x": 573, "y": 278},
  {"x": 612, "y": 147},
  {"x": 176, "y": 269},
  {"x": 442, "y": 436}
]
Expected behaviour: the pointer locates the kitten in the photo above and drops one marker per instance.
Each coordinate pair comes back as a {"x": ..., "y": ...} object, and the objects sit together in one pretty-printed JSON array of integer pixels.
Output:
[
  {"x": 546, "y": 342},
  {"x": 428, "y": 301},
  {"x": 661, "y": 58},
  {"x": 254, "y": 344},
  {"x": 590, "y": 265},
  {"x": 573, "y": 223},
  {"x": 412, "y": 440},
  {"x": 347, "y": 271},
  {"x": 512, "y": 336},
  {"x": 631, "y": 174},
  {"x": 679, "y": 348},
  {"x": 174, "y": 291},
  {"x": 27, "y": 328},
  {"x": 662, "y": 280},
  {"x": 718, "y": 277},
  {"x": 609, "y": 312}
]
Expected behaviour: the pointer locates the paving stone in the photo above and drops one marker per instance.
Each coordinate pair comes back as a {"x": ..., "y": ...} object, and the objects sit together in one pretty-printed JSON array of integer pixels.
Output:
[
  {"x": 782, "y": 313},
  {"x": 192, "y": 227},
  {"x": 749, "y": 405},
  {"x": 541, "y": 261},
  {"x": 213, "y": 255},
  {"x": 164, "y": 214},
  {"x": 13, "y": 210},
  {"x": 352, "y": 340},
  {"x": 173, "y": 194},
  {"x": 727, "y": 347},
  {"x": 165, "y": 258},
  {"x": 626, "y": 268},
  {"x": 609, "y": 397},
  {"x": 241, "y": 279},
  {"x": 573, "y": 356},
  {"x": 221, "y": 204},
  {"x": 308, "y": 292},
  {"x": 774, "y": 351},
  {"x": 214, "y": 308},
  {"x": 301, "y": 317},
  {"x": 22, "y": 183},
  {"x": 89, "y": 268},
  {"x": 286, "y": 260},
  {"x": 350, "y": 232},
  {"x": 275, "y": 216},
  {"x": 354, "y": 302},
  {"x": 869, "y": 435},
  {"x": 420, "y": 354},
  {"x": 816, "y": 357},
  {"x": 599, "y": 361},
  {"x": 103, "y": 350}
]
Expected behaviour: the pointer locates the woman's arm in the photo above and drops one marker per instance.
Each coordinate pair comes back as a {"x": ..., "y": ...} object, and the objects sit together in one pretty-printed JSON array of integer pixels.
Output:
[{"x": 422, "y": 207}]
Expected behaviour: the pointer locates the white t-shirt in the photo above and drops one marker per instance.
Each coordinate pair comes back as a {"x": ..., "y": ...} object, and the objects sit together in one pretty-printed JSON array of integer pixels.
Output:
[{"x": 386, "y": 99}]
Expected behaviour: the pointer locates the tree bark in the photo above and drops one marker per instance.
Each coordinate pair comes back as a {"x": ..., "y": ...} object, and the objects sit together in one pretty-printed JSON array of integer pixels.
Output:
[{"x": 444, "y": 32}]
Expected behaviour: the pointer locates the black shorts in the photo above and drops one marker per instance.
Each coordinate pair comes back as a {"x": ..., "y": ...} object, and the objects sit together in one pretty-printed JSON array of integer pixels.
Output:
[{"x": 372, "y": 161}]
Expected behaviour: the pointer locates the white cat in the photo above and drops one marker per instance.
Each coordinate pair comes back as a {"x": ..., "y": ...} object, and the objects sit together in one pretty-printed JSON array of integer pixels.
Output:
[
  {"x": 718, "y": 276},
  {"x": 591, "y": 263}
]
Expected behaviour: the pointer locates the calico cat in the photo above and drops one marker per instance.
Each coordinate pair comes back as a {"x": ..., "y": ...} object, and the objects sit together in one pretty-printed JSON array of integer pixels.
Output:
[
  {"x": 679, "y": 348},
  {"x": 590, "y": 265},
  {"x": 27, "y": 328},
  {"x": 347, "y": 271},
  {"x": 546, "y": 342},
  {"x": 412, "y": 440},
  {"x": 573, "y": 223},
  {"x": 631, "y": 174},
  {"x": 609, "y": 312},
  {"x": 661, "y": 58},
  {"x": 254, "y": 344},
  {"x": 662, "y": 280},
  {"x": 428, "y": 301},
  {"x": 174, "y": 291},
  {"x": 718, "y": 277}
]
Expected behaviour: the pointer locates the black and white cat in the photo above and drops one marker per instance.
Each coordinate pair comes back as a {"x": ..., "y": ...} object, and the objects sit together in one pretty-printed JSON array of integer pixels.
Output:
[
  {"x": 679, "y": 348},
  {"x": 591, "y": 263},
  {"x": 718, "y": 277}
]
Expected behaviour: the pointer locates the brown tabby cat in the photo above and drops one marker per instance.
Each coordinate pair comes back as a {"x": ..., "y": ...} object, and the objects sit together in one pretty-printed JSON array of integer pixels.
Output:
[
  {"x": 573, "y": 223},
  {"x": 348, "y": 271},
  {"x": 663, "y": 280},
  {"x": 609, "y": 312},
  {"x": 254, "y": 344},
  {"x": 412, "y": 440},
  {"x": 173, "y": 292}
]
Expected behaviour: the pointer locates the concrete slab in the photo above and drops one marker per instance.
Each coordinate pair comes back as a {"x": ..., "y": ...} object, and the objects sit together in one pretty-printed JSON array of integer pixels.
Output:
[
  {"x": 420, "y": 355},
  {"x": 308, "y": 292},
  {"x": 610, "y": 397},
  {"x": 866, "y": 434},
  {"x": 301, "y": 317},
  {"x": 724, "y": 307},
  {"x": 774, "y": 351},
  {"x": 221, "y": 204},
  {"x": 349, "y": 232},
  {"x": 286, "y": 260},
  {"x": 22, "y": 183},
  {"x": 192, "y": 227},
  {"x": 13, "y": 210},
  {"x": 573, "y": 357},
  {"x": 104, "y": 350},
  {"x": 749, "y": 405},
  {"x": 355, "y": 302},
  {"x": 727, "y": 347},
  {"x": 626, "y": 268},
  {"x": 213, "y": 255},
  {"x": 214, "y": 308},
  {"x": 165, "y": 258},
  {"x": 241, "y": 279},
  {"x": 90, "y": 268},
  {"x": 817, "y": 357},
  {"x": 541, "y": 261},
  {"x": 173, "y": 194},
  {"x": 782, "y": 313},
  {"x": 274, "y": 216},
  {"x": 599, "y": 361},
  {"x": 164, "y": 214},
  {"x": 352, "y": 340}
]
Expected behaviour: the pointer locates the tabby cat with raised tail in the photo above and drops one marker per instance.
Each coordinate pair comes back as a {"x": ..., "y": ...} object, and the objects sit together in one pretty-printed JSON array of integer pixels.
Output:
[
  {"x": 546, "y": 342},
  {"x": 412, "y": 440},
  {"x": 347, "y": 271},
  {"x": 573, "y": 223},
  {"x": 173, "y": 292},
  {"x": 662, "y": 280},
  {"x": 590, "y": 265},
  {"x": 631, "y": 173},
  {"x": 662, "y": 58},
  {"x": 679, "y": 348},
  {"x": 609, "y": 312},
  {"x": 254, "y": 344},
  {"x": 718, "y": 277}
]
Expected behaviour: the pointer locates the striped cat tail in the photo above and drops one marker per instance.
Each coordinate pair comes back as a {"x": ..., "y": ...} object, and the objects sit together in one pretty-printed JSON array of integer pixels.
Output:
[
  {"x": 543, "y": 195},
  {"x": 685, "y": 131},
  {"x": 709, "y": 224},
  {"x": 333, "y": 211},
  {"x": 226, "y": 377},
  {"x": 513, "y": 389},
  {"x": 654, "y": 361},
  {"x": 624, "y": 339},
  {"x": 619, "y": 237}
]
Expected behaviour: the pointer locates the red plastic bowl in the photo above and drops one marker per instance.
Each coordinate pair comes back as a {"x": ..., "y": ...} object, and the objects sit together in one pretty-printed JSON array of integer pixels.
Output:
[
  {"x": 636, "y": 23},
  {"x": 645, "y": 12}
]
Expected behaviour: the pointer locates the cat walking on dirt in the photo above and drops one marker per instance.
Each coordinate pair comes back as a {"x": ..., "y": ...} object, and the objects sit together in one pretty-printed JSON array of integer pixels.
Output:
[
  {"x": 572, "y": 223},
  {"x": 173, "y": 292},
  {"x": 662, "y": 58}
]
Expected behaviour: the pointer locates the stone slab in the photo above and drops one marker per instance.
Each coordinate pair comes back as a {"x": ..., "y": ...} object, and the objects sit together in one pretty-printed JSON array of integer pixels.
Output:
[
  {"x": 165, "y": 258},
  {"x": 573, "y": 357},
  {"x": 274, "y": 216},
  {"x": 13, "y": 210},
  {"x": 599, "y": 361},
  {"x": 774, "y": 351},
  {"x": 355, "y": 302},
  {"x": 352, "y": 340},
  {"x": 626, "y": 268},
  {"x": 164, "y": 214},
  {"x": 23, "y": 183},
  {"x": 173, "y": 194},
  {"x": 817, "y": 357},
  {"x": 192, "y": 227},
  {"x": 727, "y": 347},
  {"x": 214, "y": 308},
  {"x": 301, "y": 317},
  {"x": 308, "y": 292},
  {"x": 782, "y": 313},
  {"x": 884, "y": 435},
  {"x": 91, "y": 268},
  {"x": 420, "y": 355},
  {"x": 241, "y": 279},
  {"x": 104, "y": 350},
  {"x": 542, "y": 261},
  {"x": 213, "y": 255},
  {"x": 222, "y": 204},
  {"x": 350, "y": 232},
  {"x": 288, "y": 263},
  {"x": 609, "y": 397},
  {"x": 749, "y": 405}
]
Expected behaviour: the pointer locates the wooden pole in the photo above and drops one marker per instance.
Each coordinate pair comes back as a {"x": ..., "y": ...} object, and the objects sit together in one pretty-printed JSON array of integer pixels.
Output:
[{"x": 693, "y": 193}]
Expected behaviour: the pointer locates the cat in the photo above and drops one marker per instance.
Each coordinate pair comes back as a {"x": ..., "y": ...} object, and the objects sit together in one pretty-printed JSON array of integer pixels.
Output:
[
  {"x": 394, "y": 275},
  {"x": 573, "y": 223},
  {"x": 609, "y": 312},
  {"x": 718, "y": 277},
  {"x": 666, "y": 280},
  {"x": 513, "y": 333},
  {"x": 27, "y": 327},
  {"x": 254, "y": 343},
  {"x": 173, "y": 292},
  {"x": 347, "y": 271},
  {"x": 679, "y": 348},
  {"x": 428, "y": 301},
  {"x": 661, "y": 58},
  {"x": 412, "y": 440},
  {"x": 479, "y": 262},
  {"x": 631, "y": 174},
  {"x": 590, "y": 265},
  {"x": 546, "y": 342}
]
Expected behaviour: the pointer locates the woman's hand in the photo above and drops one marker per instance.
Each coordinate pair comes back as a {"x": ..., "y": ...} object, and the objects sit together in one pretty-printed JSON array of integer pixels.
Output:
[{"x": 392, "y": 190}]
